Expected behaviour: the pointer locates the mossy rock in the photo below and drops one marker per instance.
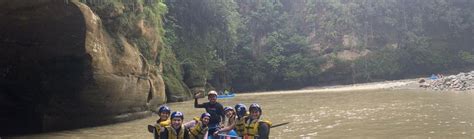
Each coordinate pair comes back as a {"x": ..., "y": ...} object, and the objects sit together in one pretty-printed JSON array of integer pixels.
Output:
[{"x": 176, "y": 90}]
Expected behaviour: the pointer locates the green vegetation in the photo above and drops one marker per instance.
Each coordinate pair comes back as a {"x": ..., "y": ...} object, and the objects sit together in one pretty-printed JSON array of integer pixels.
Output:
[
  {"x": 467, "y": 56},
  {"x": 123, "y": 18},
  {"x": 283, "y": 44},
  {"x": 202, "y": 35},
  {"x": 172, "y": 73}
]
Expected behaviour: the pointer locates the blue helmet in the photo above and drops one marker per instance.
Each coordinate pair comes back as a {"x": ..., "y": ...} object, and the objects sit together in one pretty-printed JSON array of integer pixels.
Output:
[
  {"x": 205, "y": 115},
  {"x": 164, "y": 108},
  {"x": 241, "y": 109},
  {"x": 255, "y": 106},
  {"x": 238, "y": 105},
  {"x": 177, "y": 114}
]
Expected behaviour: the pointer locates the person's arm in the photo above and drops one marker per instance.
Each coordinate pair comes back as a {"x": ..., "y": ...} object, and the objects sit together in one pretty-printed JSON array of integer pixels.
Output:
[
  {"x": 206, "y": 134},
  {"x": 156, "y": 134},
  {"x": 196, "y": 104},
  {"x": 227, "y": 128},
  {"x": 263, "y": 131},
  {"x": 190, "y": 124}
]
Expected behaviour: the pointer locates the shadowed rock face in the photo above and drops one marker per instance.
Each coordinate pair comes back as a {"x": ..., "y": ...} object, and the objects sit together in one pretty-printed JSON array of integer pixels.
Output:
[{"x": 59, "y": 69}]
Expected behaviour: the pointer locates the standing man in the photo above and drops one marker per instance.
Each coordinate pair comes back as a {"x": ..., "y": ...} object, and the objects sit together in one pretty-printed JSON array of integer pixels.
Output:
[{"x": 212, "y": 107}]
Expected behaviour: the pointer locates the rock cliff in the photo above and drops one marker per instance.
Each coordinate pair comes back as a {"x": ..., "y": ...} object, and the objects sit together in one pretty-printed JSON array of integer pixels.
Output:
[{"x": 61, "y": 67}]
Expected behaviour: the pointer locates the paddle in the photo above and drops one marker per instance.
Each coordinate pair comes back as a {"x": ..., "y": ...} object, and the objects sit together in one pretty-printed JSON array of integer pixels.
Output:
[{"x": 277, "y": 125}]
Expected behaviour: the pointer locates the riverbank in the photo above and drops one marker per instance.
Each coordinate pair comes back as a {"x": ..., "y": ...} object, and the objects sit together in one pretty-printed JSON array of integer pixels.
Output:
[
  {"x": 459, "y": 82},
  {"x": 395, "y": 84},
  {"x": 405, "y": 84}
]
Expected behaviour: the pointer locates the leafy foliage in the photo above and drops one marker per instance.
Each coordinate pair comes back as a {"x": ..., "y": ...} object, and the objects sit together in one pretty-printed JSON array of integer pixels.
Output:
[
  {"x": 281, "y": 44},
  {"x": 203, "y": 34}
]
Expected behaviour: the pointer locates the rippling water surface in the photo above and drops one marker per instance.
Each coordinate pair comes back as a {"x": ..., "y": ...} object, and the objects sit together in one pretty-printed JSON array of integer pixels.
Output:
[{"x": 356, "y": 114}]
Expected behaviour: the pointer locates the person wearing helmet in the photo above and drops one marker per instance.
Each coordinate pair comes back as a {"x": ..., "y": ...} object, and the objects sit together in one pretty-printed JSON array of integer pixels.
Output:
[
  {"x": 212, "y": 107},
  {"x": 241, "y": 111},
  {"x": 255, "y": 126},
  {"x": 229, "y": 122},
  {"x": 163, "y": 113},
  {"x": 198, "y": 127},
  {"x": 176, "y": 130}
]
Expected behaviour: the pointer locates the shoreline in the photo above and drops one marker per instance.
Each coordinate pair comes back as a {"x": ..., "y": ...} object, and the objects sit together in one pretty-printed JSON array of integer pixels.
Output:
[{"x": 394, "y": 84}]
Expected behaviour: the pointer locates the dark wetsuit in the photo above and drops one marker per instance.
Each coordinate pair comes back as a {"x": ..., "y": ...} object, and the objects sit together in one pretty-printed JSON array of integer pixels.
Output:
[
  {"x": 217, "y": 113},
  {"x": 263, "y": 131}
]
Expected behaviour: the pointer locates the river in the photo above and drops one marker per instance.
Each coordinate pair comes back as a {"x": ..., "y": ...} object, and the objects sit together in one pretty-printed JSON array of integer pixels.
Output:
[{"x": 383, "y": 113}]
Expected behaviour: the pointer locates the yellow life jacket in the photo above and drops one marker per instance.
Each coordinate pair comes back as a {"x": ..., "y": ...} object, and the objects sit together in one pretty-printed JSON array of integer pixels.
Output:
[
  {"x": 240, "y": 126},
  {"x": 172, "y": 133},
  {"x": 251, "y": 128},
  {"x": 165, "y": 123},
  {"x": 196, "y": 119},
  {"x": 198, "y": 131},
  {"x": 158, "y": 126}
]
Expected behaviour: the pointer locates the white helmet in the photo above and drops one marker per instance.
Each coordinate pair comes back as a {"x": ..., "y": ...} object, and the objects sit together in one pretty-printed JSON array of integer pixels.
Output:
[{"x": 212, "y": 92}]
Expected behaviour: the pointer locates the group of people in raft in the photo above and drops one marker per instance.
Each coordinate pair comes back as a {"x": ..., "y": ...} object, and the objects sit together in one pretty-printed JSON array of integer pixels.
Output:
[{"x": 215, "y": 122}]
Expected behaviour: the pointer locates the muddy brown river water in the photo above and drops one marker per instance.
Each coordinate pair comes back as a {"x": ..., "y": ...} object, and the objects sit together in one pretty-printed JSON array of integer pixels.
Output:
[{"x": 348, "y": 114}]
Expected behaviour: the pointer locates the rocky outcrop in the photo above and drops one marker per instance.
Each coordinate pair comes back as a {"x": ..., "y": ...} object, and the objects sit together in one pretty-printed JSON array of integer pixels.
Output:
[
  {"x": 60, "y": 68},
  {"x": 459, "y": 82}
]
